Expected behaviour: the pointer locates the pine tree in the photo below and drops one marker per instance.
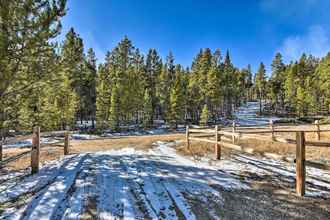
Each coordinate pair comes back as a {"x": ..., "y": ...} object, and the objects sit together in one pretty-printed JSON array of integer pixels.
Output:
[
  {"x": 147, "y": 109},
  {"x": 25, "y": 31},
  {"x": 153, "y": 71},
  {"x": 37, "y": 106},
  {"x": 73, "y": 63},
  {"x": 205, "y": 116},
  {"x": 103, "y": 97},
  {"x": 198, "y": 81},
  {"x": 205, "y": 66},
  {"x": 245, "y": 84},
  {"x": 228, "y": 84},
  {"x": 213, "y": 92},
  {"x": 41, "y": 19},
  {"x": 290, "y": 86},
  {"x": 194, "y": 93},
  {"x": 136, "y": 90},
  {"x": 301, "y": 104},
  {"x": 115, "y": 109},
  {"x": 276, "y": 82},
  {"x": 66, "y": 101},
  {"x": 177, "y": 104},
  {"x": 91, "y": 85},
  {"x": 323, "y": 71},
  {"x": 165, "y": 84},
  {"x": 261, "y": 84}
]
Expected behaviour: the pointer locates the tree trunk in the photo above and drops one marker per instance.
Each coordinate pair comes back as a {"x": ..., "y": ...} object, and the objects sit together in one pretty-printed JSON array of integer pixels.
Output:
[
  {"x": 260, "y": 105},
  {"x": 93, "y": 123}
]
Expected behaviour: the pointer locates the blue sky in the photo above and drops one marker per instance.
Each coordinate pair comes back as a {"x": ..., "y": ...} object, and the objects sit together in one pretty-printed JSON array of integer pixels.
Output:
[{"x": 252, "y": 30}]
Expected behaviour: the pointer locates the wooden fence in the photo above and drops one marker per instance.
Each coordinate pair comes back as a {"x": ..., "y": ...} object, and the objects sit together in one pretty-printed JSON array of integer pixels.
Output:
[
  {"x": 229, "y": 136},
  {"x": 35, "y": 150}
]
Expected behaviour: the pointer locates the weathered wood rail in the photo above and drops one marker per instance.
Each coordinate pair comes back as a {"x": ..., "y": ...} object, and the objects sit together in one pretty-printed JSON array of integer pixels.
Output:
[
  {"x": 221, "y": 137},
  {"x": 35, "y": 149}
]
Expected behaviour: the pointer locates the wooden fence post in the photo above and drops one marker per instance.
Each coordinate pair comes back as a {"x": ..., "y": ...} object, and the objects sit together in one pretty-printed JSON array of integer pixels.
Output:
[
  {"x": 217, "y": 146},
  {"x": 300, "y": 163},
  {"x": 317, "y": 127},
  {"x": 66, "y": 142},
  {"x": 271, "y": 124},
  {"x": 187, "y": 137},
  {"x": 35, "y": 152},
  {"x": 234, "y": 131}
]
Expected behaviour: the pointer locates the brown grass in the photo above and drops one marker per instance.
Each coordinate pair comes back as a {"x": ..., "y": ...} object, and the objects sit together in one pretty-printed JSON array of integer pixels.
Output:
[
  {"x": 198, "y": 149},
  {"x": 138, "y": 142},
  {"x": 285, "y": 149},
  {"x": 49, "y": 153}
]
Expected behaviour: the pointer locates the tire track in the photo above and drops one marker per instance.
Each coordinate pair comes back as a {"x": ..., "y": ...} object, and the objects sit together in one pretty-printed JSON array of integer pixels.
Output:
[
  {"x": 116, "y": 198},
  {"x": 45, "y": 204}
]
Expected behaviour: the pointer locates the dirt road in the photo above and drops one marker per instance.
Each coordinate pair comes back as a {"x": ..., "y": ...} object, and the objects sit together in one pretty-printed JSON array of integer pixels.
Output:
[{"x": 160, "y": 184}]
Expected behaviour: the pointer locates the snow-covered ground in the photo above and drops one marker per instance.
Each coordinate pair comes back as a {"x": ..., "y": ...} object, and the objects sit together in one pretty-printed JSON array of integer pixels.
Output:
[
  {"x": 28, "y": 143},
  {"x": 133, "y": 184},
  {"x": 83, "y": 136},
  {"x": 136, "y": 133},
  {"x": 246, "y": 115},
  {"x": 124, "y": 183}
]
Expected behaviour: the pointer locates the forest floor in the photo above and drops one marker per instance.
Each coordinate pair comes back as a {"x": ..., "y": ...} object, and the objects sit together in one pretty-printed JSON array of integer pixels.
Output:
[{"x": 153, "y": 177}]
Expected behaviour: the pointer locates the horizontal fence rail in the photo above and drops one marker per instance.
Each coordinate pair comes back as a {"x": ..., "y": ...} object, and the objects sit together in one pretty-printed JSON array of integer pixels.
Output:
[
  {"x": 221, "y": 137},
  {"x": 35, "y": 148}
]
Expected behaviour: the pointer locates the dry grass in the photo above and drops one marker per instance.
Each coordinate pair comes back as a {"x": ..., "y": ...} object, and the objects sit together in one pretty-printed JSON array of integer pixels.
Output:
[
  {"x": 201, "y": 149},
  {"x": 197, "y": 150},
  {"x": 260, "y": 146},
  {"x": 285, "y": 149},
  {"x": 49, "y": 153},
  {"x": 138, "y": 142}
]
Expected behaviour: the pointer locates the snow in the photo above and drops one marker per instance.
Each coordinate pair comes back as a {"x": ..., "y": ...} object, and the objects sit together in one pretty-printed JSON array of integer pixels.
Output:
[
  {"x": 134, "y": 184},
  {"x": 154, "y": 131},
  {"x": 85, "y": 124},
  {"x": 317, "y": 180},
  {"x": 84, "y": 137},
  {"x": 28, "y": 143},
  {"x": 81, "y": 136},
  {"x": 246, "y": 115},
  {"x": 124, "y": 183}
]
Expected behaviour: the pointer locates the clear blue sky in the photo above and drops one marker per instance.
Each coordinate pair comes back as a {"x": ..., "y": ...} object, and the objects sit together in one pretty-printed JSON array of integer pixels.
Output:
[{"x": 252, "y": 30}]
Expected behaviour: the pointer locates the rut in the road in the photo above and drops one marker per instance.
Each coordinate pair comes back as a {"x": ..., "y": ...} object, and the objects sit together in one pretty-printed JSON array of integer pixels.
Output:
[{"x": 125, "y": 184}]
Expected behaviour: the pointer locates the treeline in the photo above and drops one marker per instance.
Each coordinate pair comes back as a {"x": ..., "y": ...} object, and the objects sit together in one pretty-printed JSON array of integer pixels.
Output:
[
  {"x": 301, "y": 88},
  {"x": 54, "y": 84},
  {"x": 137, "y": 89}
]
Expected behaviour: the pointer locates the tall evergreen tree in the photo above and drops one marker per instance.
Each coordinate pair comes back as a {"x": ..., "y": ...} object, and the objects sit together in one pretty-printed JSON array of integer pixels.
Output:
[
  {"x": 153, "y": 71},
  {"x": 213, "y": 86},
  {"x": 323, "y": 71},
  {"x": 276, "y": 82},
  {"x": 103, "y": 96},
  {"x": 115, "y": 109},
  {"x": 147, "y": 109},
  {"x": 73, "y": 64},
  {"x": 90, "y": 92},
  {"x": 165, "y": 80},
  {"x": 205, "y": 116},
  {"x": 228, "y": 85},
  {"x": 177, "y": 102},
  {"x": 25, "y": 30},
  {"x": 261, "y": 84}
]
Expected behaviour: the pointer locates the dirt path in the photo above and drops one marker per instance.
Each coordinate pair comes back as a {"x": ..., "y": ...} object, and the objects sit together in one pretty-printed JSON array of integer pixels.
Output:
[
  {"x": 160, "y": 184},
  {"x": 121, "y": 184}
]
